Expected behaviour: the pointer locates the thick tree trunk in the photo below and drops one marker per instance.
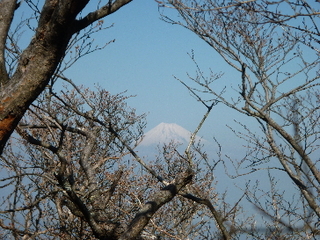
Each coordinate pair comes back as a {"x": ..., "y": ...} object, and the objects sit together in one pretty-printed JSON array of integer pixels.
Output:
[
  {"x": 36, "y": 64},
  {"x": 40, "y": 59}
]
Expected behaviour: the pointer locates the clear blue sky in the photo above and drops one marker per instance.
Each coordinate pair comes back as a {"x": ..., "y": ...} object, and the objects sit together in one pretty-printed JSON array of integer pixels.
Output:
[
  {"x": 146, "y": 55},
  {"x": 143, "y": 60}
]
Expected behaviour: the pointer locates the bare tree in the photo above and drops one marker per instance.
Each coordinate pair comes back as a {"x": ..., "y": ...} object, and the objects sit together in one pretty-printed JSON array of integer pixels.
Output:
[
  {"x": 273, "y": 45},
  {"x": 55, "y": 25},
  {"x": 69, "y": 166},
  {"x": 67, "y": 173}
]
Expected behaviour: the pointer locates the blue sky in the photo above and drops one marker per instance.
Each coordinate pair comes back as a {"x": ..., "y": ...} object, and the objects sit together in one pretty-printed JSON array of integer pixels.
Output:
[
  {"x": 143, "y": 60},
  {"x": 146, "y": 55}
]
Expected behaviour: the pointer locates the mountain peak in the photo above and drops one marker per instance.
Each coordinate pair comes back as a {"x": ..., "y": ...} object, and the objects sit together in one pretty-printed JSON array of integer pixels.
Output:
[{"x": 166, "y": 132}]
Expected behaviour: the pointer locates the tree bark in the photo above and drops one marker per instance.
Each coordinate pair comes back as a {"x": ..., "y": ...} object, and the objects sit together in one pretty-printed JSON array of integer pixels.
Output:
[
  {"x": 160, "y": 198},
  {"x": 41, "y": 58},
  {"x": 7, "y": 8}
]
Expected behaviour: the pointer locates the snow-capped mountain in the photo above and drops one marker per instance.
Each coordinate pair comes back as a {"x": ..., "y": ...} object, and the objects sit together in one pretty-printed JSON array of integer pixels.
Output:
[{"x": 166, "y": 132}]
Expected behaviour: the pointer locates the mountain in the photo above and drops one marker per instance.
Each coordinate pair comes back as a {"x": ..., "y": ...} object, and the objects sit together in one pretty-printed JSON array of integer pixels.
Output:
[{"x": 166, "y": 132}]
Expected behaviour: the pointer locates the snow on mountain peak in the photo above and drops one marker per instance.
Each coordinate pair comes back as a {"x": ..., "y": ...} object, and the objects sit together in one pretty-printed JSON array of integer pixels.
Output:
[{"x": 166, "y": 132}]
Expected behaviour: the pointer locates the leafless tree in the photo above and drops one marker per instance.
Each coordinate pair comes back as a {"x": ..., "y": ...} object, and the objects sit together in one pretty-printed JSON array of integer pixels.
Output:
[
  {"x": 68, "y": 173},
  {"x": 72, "y": 168},
  {"x": 24, "y": 73},
  {"x": 273, "y": 45},
  {"x": 69, "y": 166}
]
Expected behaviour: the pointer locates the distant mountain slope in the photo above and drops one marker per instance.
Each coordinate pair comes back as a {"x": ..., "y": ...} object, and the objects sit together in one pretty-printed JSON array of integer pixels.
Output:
[{"x": 166, "y": 132}]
